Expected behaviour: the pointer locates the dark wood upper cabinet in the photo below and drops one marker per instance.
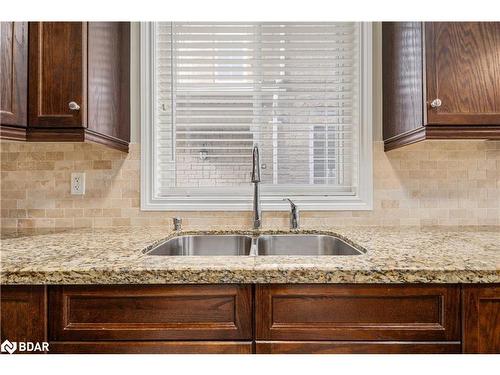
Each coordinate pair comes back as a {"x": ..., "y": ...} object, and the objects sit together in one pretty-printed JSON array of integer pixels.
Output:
[
  {"x": 109, "y": 79},
  {"x": 57, "y": 74},
  {"x": 72, "y": 78},
  {"x": 13, "y": 79},
  {"x": 463, "y": 71},
  {"x": 441, "y": 80},
  {"x": 80, "y": 82}
]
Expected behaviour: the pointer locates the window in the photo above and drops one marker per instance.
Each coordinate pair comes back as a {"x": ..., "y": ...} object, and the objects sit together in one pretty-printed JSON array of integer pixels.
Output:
[{"x": 301, "y": 91}]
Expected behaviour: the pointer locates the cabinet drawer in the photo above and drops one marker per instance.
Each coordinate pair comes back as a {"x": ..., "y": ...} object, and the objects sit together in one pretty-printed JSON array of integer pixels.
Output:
[
  {"x": 358, "y": 312},
  {"x": 357, "y": 347},
  {"x": 151, "y": 347},
  {"x": 178, "y": 312}
]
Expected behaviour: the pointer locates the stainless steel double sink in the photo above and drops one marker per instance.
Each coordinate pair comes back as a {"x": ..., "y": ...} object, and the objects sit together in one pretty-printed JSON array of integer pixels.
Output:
[{"x": 265, "y": 244}]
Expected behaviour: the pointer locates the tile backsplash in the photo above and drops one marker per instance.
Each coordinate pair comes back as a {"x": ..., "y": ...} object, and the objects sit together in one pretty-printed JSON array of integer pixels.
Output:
[{"x": 430, "y": 183}]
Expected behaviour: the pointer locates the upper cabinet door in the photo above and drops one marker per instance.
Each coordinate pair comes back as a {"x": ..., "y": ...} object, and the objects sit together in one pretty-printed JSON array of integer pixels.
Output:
[
  {"x": 57, "y": 74},
  {"x": 13, "y": 73},
  {"x": 463, "y": 73}
]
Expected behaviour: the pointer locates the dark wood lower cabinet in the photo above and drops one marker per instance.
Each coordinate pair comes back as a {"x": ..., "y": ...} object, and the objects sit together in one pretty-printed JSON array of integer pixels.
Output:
[
  {"x": 481, "y": 323},
  {"x": 356, "y": 347},
  {"x": 128, "y": 312},
  {"x": 152, "y": 347},
  {"x": 23, "y": 313},
  {"x": 229, "y": 318},
  {"x": 358, "y": 312}
]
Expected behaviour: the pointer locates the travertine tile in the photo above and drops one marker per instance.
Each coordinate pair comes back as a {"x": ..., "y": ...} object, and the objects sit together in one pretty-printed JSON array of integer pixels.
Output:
[
  {"x": 35, "y": 213},
  {"x": 73, "y": 212},
  {"x": 101, "y": 164},
  {"x": 428, "y": 183}
]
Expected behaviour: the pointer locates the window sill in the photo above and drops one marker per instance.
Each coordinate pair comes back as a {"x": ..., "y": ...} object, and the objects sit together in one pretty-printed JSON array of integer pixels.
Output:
[{"x": 339, "y": 203}]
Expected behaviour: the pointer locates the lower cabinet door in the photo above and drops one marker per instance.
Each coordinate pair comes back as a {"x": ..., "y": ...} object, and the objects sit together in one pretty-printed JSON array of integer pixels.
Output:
[
  {"x": 23, "y": 313},
  {"x": 356, "y": 347},
  {"x": 151, "y": 347},
  {"x": 358, "y": 312},
  {"x": 174, "y": 312},
  {"x": 481, "y": 318}
]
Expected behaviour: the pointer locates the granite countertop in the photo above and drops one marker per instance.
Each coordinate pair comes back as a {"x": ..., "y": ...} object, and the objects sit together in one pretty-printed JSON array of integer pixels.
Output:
[{"x": 115, "y": 256}]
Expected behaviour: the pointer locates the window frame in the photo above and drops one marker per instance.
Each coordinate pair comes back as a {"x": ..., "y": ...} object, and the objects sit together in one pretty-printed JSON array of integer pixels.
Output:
[{"x": 361, "y": 200}]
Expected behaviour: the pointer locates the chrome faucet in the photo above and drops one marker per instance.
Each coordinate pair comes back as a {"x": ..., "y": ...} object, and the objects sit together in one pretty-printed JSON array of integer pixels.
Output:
[
  {"x": 294, "y": 214},
  {"x": 257, "y": 211}
]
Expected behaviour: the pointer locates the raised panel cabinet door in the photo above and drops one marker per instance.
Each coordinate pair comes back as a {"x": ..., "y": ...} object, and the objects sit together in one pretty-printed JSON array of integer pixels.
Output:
[
  {"x": 402, "y": 56},
  {"x": 172, "y": 312},
  {"x": 463, "y": 73},
  {"x": 13, "y": 73},
  {"x": 109, "y": 79},
  {"x": 357, "y": 312},
  {"x": 481, "y": 318},
  {"x": 57, "y": 74},
  {"x": 23, "y": 313}
]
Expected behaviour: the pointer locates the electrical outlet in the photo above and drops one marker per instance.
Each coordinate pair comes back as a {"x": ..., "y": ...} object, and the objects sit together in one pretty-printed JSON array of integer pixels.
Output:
[{"x": 78, "y": 183}]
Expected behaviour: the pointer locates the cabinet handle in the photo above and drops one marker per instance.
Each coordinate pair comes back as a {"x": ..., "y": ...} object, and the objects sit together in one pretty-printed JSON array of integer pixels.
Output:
[
  {"x": 436, "y": 103},
  {"x": 73, "y": 106}
]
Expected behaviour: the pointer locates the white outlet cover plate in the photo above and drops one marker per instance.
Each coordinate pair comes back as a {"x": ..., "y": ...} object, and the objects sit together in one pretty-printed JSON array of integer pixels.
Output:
[{"x": 77, "y": 183}]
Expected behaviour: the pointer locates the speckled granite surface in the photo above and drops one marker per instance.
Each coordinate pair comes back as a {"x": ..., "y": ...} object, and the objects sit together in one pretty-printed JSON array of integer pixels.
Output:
[{"x": 115, "y": 256}]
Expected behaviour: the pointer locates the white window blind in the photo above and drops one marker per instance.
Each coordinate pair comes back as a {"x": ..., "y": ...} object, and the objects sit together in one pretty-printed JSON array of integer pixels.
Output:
[{"x": 292, "y": 88}]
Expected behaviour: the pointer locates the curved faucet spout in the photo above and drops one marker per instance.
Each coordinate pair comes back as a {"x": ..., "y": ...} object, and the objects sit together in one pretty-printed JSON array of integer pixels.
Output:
[{"x": 292, "y": 205}]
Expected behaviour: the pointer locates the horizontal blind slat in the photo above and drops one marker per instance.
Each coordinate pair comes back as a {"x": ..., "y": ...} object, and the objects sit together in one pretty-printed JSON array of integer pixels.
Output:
[{"x": 290, "y": 87}]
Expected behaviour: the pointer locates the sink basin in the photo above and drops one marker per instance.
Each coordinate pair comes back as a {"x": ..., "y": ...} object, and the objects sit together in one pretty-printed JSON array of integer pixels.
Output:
[
  {"x": 309, "y": 244},
  {"x": 204, "y": 245},
  {"x": 279, "y": 244}
]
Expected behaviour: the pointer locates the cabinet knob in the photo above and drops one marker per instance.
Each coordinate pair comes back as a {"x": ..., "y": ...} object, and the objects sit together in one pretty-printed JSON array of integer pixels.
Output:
[
  {"x": 73, "y": 106},
  {"x": 436, "y": 103}
]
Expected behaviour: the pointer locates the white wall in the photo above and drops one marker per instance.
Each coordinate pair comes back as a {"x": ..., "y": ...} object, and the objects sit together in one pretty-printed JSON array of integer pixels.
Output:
[{"x": 135, "y": 82}]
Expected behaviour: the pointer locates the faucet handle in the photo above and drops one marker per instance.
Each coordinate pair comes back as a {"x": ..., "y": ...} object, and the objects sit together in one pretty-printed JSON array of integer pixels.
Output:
[{"x": 177, "y": 223}]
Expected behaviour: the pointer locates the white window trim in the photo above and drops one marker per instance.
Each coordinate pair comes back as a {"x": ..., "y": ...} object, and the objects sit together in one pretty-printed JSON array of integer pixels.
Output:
[{"x": 363, "y": 200}]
